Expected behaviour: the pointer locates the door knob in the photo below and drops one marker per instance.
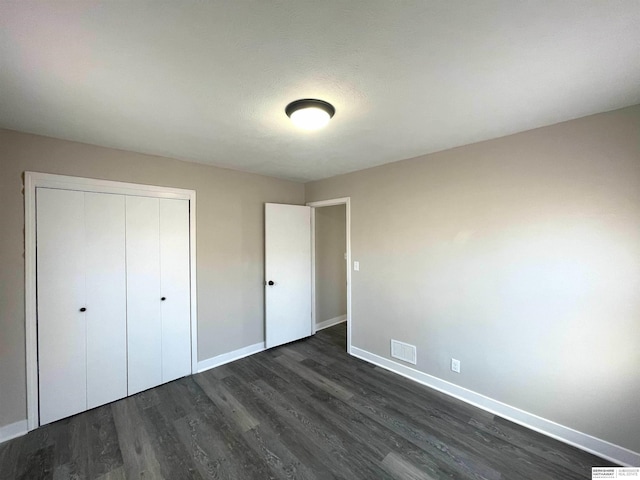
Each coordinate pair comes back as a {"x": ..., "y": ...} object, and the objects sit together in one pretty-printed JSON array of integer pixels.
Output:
[
  {"x": 271, "y": 283},
  {"x": 83, "y": 309},
  {"x": 163, "y": 298}
]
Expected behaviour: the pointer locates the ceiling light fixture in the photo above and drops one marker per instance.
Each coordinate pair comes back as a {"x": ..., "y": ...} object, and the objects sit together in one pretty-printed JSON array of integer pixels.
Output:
[{"x": 310, "y": 114}]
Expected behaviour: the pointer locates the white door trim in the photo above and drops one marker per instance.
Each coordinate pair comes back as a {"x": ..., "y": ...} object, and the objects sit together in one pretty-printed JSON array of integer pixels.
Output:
[
  {"x": 329, "y": 203},
  {"x": 33, "y": 180}
]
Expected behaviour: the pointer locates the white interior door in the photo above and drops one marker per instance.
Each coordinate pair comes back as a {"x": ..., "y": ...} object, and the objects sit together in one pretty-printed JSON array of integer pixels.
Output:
[
  {"x": 144, "y": 330},
  {"x": 106, "y": 294},
  {"x": 288, "y": 273},
  {"x": 62, "y": 365},
  {"x": 175, "y": 289}
]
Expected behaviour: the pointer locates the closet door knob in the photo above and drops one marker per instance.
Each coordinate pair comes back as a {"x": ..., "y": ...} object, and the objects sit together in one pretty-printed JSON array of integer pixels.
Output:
[
  {"x": 83, "y": 309},
  {"x": 163, "y": 298}
]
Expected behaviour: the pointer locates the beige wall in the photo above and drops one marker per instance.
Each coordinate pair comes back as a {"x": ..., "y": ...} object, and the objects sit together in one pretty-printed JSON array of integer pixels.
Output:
[
  {"x": 331, "y": 267},
  {"x": 519, "y": 256},
  {"x": 230, "y": 246}
]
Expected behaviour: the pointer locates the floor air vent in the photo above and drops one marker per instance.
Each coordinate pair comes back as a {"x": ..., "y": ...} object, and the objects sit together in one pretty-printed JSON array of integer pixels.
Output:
[{"x": 403, "y": 351}]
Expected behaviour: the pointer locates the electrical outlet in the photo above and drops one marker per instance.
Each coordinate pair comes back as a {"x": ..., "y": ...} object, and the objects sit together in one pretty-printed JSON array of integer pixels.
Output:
[
  {"x": 356, "y": 266},
  {"x": 455, "y": 365}
]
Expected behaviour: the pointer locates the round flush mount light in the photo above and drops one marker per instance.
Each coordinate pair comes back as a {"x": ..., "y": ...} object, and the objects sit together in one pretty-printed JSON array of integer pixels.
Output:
[{"x": 310, "y": 114}]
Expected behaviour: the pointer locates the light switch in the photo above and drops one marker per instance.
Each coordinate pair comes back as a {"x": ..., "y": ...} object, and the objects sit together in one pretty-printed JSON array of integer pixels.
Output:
[{"x": 356, "y": 266}]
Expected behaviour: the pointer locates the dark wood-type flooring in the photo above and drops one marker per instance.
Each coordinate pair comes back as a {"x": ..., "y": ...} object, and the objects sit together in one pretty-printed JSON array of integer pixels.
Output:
[{"x": 306, "y": 410}]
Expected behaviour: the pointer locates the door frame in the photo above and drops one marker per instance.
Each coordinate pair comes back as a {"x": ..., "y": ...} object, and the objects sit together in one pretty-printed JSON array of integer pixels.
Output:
[
  {"x": 346, "y": 201},
  {"x": 34, "y": 180}
]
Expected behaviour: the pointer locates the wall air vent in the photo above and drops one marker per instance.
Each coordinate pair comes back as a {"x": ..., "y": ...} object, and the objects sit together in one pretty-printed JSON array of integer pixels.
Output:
[{"x": 403, "y": 351}]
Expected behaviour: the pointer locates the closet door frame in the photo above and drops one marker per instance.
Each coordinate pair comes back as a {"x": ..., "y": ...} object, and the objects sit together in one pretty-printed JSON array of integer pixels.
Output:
[{"x": 34, "y": 180}]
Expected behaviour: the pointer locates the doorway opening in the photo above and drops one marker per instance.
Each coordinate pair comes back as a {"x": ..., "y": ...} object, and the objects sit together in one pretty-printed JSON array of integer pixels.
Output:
[{"x": 330, "y": 267}]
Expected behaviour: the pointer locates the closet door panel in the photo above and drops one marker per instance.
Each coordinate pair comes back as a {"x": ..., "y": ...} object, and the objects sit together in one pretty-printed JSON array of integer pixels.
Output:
[
  {"x": 106, "y": 292},
  {"x": 60, "y": 296},
  {"x": 175, "y": 283},
  {"x": 144, "y": 330}
]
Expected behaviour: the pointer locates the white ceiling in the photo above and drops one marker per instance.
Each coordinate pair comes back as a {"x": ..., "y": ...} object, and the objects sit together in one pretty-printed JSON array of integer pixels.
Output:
[{"x": 208, "y": 81}]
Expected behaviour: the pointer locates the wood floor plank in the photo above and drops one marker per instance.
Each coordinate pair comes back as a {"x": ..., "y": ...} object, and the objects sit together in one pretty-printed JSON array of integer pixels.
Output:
[
  {"x": 540, "y": 445},
  {"x": 402, "y": 469},
  {"x": 76, "y": 433},
  {"x": 280, "y": 432},
  {"x": 468, "y": 464},
  {"x": 104, "y": 451},
  {"x": 438, "y": 421},
  {"x": 437, "y": 411},
  {"x": 138, "y": 454},
  {"x": 343, "y": 451},
  {"x": 62, "y": 472},
  {"x": 342, "y": 416},
  {"x": 206, "y": 445},
  {"x": 320, "y": 381},
  {"x": 320, "y": 355},
  {"x": 410, "y": 408},
  {"x": 231, "y": 407},
  {"x": 171, "y": 453},
  {"x": 291, "y": 352},
  {"x": 39, "y": 464},
  {"x": 207, "y": 415},
  {"x": 280, "y": 459},
  {"x": 207, "y": 449},
  {"x": 116, "y": 474},
  {"x": 305, "y": 410},
  {"x": 478, "y": 443},
  {"x": 9, "y": 456}
]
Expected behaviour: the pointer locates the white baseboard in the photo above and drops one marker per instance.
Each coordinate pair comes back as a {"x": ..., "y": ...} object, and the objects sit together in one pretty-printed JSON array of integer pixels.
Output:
[
  {"x": 13, "y": 430},
  {"x": 583, "y": 441},
  {"x": 331, "y": 322},
  {"x": 230, "y": 357}
]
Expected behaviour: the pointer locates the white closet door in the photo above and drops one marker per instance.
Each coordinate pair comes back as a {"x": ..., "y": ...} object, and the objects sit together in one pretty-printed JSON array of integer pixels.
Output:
[
  {"x": 61, "y": 296},
  {"x": 106, "y": 291},
  {"x": 175, "y": 282},
  {"x": 144, "y": 331}
]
